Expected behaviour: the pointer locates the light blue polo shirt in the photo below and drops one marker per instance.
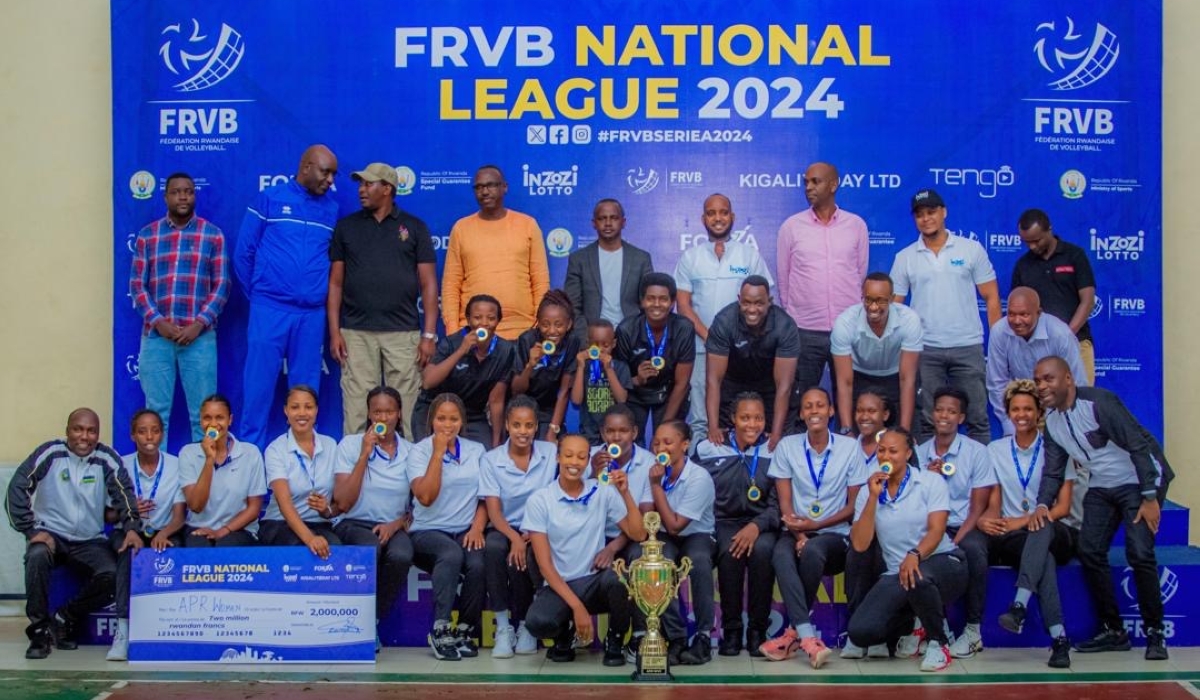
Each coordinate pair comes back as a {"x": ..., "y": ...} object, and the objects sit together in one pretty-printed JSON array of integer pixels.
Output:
[
  {"x": 637, "y": 471},
  {"x": 972, "y": 470},
  {"x": 943, "y": 288},
  {"x": 1012, "y": 495},
  {"x": 303, "y": 474},
  {"x": 384, "y": 495},
  {"x": 878, "y": 356},
  {"x": 574, "y": 526},
  {"x": 900, "y": 525},
  {"x": 845, "y": 468},
  {"x": 692, "y": 495},
  {"x": 454, "y": 508},
  {"x": 240, "y": 478},
  {"x": 500, "y": 477},
  {"x": 164, "y": 491},
  {"x": 715, "y": 284}
]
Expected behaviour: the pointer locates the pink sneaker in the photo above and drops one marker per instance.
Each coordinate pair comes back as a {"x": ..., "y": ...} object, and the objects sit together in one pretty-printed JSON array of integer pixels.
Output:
[
  {"x": 817, "y": 652},
  {"x": 782, "y": 647}
]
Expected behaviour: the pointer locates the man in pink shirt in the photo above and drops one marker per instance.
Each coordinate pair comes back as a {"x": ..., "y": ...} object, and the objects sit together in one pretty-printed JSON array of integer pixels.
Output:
[{"x": 822, "y": 259}]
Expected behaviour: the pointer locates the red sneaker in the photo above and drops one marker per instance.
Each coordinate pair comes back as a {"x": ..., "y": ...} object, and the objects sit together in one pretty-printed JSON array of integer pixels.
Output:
[
  {"x": 782, "y": 647},
  {"x": 817, "y": 652}
]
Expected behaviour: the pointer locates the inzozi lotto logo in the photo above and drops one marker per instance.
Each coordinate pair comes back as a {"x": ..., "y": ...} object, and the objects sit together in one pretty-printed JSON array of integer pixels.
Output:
[
  {"x": 196, "y": 59},
  {"x": 1075, "y": 59}
]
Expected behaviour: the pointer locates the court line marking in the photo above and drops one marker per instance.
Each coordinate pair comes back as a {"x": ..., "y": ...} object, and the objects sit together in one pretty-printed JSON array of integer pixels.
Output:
[{"x": 1190, "y": 688}]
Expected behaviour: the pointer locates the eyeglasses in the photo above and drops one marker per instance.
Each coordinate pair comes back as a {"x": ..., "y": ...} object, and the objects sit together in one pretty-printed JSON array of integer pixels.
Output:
[
  {"x": 875, "y": 301},
  {"x": 483, "y": 186}
]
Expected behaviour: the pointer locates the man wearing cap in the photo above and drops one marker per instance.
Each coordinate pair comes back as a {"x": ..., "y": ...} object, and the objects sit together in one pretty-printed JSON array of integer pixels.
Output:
[
  {"x": 282, "y": 264},
  {"x": 942, "y": 271},
  {"x": 822, "y": 260},
  {"x": 381, "y": 261}
]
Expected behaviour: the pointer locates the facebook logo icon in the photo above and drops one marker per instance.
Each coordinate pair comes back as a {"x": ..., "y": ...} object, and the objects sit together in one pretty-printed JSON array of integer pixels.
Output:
[{"x": 558, "y": 133}]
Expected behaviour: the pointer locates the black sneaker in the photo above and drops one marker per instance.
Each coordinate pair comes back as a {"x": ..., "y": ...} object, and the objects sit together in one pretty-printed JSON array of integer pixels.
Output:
[
  {"x": 563, "y": 649},
  {"x": 1014, "y": 619},
  {"x": 614, "y": 652},
  {"x": 631, "y": 650},
  {"x": 1156, "y": 645},
  {"x": 467, "y": 648},
  {"x": 63, "y": 629},
  {"x": 444, "y": 643},
  {"x": 731, "y": 643},
  {"x": 1060, "y": 653},
  {"x": 699, "y": 652},
  {"x": 1107, "y": 640},
  {"x": 754, "y": 640},
  {"x": 41, "y": 642},
  {"x": 675, "y": 649}
]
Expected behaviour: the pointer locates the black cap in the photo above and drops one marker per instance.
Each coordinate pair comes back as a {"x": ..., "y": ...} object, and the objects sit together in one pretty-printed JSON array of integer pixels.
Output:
[{"x": 927, "y": 198}]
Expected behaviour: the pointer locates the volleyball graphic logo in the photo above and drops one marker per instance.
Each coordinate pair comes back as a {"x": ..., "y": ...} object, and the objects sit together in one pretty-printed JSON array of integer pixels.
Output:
[
  {"x": 1077, "y": 60},
  {"x": 1168, "y": 585},
  {"x": 199, "y": 62}
]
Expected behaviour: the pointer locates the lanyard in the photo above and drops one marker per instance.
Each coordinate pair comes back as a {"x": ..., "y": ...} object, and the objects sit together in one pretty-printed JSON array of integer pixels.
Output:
[
  {"x": 453, "y": 455},
  {"x": 137, "y": 477},
  {"x": 752, "y": 467},
  {"x": 312, "y": 482},
  {"x": 667, "y": 487},
  {"x": 228, "y": 454},
  {"x": 595, "y": 372},
  {"x": 883, "y": 497},
  {"x": 582, "y": 499},
  {"x": 818, "y": 478},
  {"x": 1028, "y": 476},
  {"x": 657, "y": 350}
]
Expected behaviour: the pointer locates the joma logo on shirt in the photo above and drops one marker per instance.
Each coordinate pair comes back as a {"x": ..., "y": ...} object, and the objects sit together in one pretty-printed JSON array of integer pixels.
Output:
[
  {"x": 958, "y": 262},
  {"x": 743, "y": 270}
]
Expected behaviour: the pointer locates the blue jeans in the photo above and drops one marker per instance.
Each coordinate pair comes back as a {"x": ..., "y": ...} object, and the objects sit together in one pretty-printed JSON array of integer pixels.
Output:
[{"x": 197, "y": 364}]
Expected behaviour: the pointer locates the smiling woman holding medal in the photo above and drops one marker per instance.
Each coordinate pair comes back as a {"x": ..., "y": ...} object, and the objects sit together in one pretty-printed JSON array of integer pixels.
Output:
[
  {"x": 817, "y": 476},
  {"x": 747, "y": 522},
  {"x": 905, "y": 508},
  {"x": 545, "y": 363},
  {"x": 1013, "y": 539}
]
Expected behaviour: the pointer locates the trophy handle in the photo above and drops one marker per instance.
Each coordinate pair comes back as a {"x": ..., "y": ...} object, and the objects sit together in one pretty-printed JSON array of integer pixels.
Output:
[
  {"x": 619, "y": 568},
  {"x": 681, "y": 571}
]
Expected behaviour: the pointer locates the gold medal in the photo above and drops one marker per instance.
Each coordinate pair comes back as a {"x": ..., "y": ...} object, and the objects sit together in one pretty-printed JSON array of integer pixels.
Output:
[
  {"x": 754, "y": 493},
  {"x": 614, "y": 450},
  {"x": 885, "y": 467},
  {"x": 548, "y": 347},
  {"x": 657, "y": 362},
  {"x": 594, "y": 352},
  {"x": 481, "y": 334},
  {"x": 663, "y": 458},
  {"x": 948, "y": 469},
  {"x": 1025, "y": 505},
  {"x": 604, "y": 478},
  {"x": 380, "y": 428},
  {"x": 212, "y": 433},
  {"x": 815, "y": 509}
]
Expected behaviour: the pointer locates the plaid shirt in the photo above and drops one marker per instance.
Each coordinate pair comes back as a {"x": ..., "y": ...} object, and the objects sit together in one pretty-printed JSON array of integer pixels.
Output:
[{"x": 179, "y": 273}]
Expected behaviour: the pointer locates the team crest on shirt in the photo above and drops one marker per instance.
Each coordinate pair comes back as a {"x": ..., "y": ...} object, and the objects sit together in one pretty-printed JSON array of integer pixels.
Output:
[
  {"x": 958, "y": 262},
  {"x": 403, "y": 232}
]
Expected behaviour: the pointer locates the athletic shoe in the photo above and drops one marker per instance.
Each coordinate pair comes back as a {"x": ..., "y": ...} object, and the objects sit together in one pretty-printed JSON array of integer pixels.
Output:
[
  {"x": 698, "y": 653},
  {"x": 526, "y": 642},
  {"x": 731, "y": 643},
  {"x": 754, "y": 640},
  {"x": 968, "y": 644},
  {"x": 1106, "y": 640},
  {"x": 614, "y": 655},
  {"x": 675, "y": 648},
  {"x": 467, "y": 648},
  {"x": 817, "y": 652},
  {"x": 878, "y": 651},
  {"x": 631, "y": 650},
  {"x": 506, "y": 639},
  {"x": 63, "y": 629},
  {"x": 563, "y": 649},
  {"x": 910, "y": 644},
  {"x": 937, "y": 657},
  {"x": 782, "y": 647},
  {"x": 1060, "y": 653},
  {"x": 1014, "y": 619},
  {"x": 444, "y": 643},
  {"x": 41, "y": 642},
  {"x": 852, "y": 651},
  {"x": 120, "y": 647},
  {"x": 1156, "y": 645}
]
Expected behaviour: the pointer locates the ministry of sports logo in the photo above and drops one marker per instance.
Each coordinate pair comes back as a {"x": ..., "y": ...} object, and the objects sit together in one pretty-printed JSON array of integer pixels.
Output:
[
  {"x": 198, "y": 61},
  {"x": 642, "y": 180},
  {"x": 142, "y": 184},
  {"x": 1076, "y": 60},
  {"x": 559, "y": 242},
  {"x": 1072, "y": 183}
]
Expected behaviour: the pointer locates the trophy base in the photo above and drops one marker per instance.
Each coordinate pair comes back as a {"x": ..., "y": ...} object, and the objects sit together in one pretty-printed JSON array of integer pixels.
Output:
[{"x": 652, "y": 670}]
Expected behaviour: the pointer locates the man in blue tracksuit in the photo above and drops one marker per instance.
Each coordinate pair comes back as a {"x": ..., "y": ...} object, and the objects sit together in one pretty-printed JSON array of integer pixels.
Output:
[{"x": 282, "y": 263}]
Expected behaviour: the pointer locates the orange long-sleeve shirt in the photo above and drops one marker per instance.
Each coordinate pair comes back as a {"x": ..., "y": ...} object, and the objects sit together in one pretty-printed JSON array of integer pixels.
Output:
[{"x": 505, "y": 258}]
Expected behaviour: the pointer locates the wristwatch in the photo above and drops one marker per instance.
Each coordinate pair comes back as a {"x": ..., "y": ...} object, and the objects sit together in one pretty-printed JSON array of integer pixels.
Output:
[
  {"x": 429, "y": 336},
  {"x": 555, "y": 428}
]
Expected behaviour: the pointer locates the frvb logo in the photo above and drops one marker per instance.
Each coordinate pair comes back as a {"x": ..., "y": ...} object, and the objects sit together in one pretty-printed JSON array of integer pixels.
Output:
[
  {"x": 199, "y": 62},
  {"x": 1076, "y": 60}
]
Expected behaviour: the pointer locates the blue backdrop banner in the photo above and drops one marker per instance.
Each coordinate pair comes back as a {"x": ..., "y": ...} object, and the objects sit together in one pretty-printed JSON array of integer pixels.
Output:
[{"x": 1001, "y": 107}]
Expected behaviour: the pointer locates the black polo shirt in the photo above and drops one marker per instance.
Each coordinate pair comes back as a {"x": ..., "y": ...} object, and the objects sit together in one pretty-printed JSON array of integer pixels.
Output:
[
  {"x": 730, "y": 472},
  {"x": 546, "y": 377},
  {"x": 1057, "y": 280},
  {"x": 752, "y": 353},
  {"x": 633, "y": 348},
  {"x": 471, "y": 378},
  {"x": 381, "y": 285}
]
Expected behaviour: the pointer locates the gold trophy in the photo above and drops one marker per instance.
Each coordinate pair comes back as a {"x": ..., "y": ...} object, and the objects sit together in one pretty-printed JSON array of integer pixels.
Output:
[{"x": 652, "y": 580}]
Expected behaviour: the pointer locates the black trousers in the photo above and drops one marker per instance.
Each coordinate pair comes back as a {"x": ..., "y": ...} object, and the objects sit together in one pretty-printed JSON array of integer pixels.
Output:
[
  {"x": 732, "y": 575},
  {"x": 1104, "y": 510},
  {"x": 888, "y": 609},
  {"x": 240, "y": 538},
  {"x": 508, "y": 587},
  {"x": 116, "y": 540},
  {"x": 276, "y": 533},
  {"x": 656, "y": 412},
  {"x": 393, "y": 560},
  {"x": 94, "y": 561},
  {"x": 975, "y": 546},
  {"x": 601, "y": 592},
  {"x": 443, "y": 556}
]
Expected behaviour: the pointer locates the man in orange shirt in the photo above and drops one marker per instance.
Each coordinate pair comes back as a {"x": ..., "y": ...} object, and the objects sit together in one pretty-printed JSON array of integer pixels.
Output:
[{"x": 495, "y": 251}]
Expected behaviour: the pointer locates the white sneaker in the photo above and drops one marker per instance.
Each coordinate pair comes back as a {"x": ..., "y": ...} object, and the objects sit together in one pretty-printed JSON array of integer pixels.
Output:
[
  {"x": 120, "y": 647},
  {"x": 967, "y": 644},
  {"x": 505, "y": 639},
  {"x": 853, "y": 651},
  {"x": 526, "y": 642},
  {"x": 878, "y": 651},
  {"x": 910, "y": 644},
  {"x": 937, "y": 657}
]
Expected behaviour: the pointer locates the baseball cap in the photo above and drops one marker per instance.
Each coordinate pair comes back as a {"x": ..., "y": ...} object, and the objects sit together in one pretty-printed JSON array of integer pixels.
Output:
[
  {"x": 927, "y": 198},
  {"x": 376, "y": 172}
]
